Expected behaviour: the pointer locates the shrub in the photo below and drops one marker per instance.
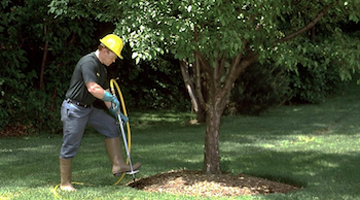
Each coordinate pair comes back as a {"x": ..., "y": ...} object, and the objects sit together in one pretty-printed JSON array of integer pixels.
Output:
[
  {"x": 258, "y": 88},
  {"x": 313, "y": 85}
]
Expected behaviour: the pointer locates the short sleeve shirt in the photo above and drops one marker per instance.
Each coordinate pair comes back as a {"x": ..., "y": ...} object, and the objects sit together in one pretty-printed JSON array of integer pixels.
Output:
[{"x": 88, "y": 69}]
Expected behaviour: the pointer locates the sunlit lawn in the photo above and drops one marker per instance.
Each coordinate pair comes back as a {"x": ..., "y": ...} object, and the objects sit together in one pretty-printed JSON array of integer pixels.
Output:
[{"x": 313, "y": 146}]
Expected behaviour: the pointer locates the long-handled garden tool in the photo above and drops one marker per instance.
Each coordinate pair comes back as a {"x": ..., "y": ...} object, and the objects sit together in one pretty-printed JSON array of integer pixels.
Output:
[
  {"x": 132, "y": 172},
  {"x": 127, "y": 140}
]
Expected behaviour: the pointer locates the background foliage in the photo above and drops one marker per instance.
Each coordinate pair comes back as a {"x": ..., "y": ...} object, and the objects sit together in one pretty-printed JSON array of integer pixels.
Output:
[
  {"x": 41, "y": 41},
  {"x": 34, "y": 42},
  {"x": 25, "y": 30}
]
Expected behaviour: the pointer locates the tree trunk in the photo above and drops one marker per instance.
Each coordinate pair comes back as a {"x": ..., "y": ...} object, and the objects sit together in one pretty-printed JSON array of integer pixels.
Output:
[
  {"x": 211, "y": 148},
  {"x": 217, "y": 94}
]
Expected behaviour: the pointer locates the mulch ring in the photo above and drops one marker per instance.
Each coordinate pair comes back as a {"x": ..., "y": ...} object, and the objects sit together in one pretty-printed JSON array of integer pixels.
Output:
[{"x": 194, "y": 183}]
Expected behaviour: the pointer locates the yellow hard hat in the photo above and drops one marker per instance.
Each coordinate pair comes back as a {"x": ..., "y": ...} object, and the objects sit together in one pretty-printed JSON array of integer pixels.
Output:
[{"x": 114, "y": 43}]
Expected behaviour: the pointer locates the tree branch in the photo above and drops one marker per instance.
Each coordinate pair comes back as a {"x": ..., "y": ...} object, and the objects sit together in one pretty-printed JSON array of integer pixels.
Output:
[
  {"x": 184, "y": 66},
  {"x": 308, "y": 26},
  {"x": 238, "y": 65},
  {"x": 198, "y": 85},
  {"x": 221, "y": 68}
]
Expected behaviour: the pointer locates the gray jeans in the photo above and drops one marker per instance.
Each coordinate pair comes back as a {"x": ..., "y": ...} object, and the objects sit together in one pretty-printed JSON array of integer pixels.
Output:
[{"x": 76, "y": 118}]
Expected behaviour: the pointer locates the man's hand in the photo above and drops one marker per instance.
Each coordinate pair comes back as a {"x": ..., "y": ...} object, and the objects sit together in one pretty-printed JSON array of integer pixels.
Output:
[
  {"x": 124, "y": 119},
  {"x": 113, "y": 110},
  {"x": 115, "y": 104}
]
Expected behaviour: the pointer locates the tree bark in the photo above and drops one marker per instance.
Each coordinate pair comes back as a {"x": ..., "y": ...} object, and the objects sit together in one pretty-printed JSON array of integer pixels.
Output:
[{"x": 211, "y": 163}]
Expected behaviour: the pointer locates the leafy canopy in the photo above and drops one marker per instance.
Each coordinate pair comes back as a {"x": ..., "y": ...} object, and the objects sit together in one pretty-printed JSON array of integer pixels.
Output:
[{"x": 211, "y": 26}]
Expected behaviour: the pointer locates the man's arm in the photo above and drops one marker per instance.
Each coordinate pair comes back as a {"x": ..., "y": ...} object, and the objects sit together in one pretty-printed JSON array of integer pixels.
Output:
[{"x": 97, "y": 91}]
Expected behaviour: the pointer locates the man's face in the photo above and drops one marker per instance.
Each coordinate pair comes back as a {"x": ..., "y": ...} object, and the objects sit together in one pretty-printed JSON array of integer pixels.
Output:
[{"x": 109, "y": 57}]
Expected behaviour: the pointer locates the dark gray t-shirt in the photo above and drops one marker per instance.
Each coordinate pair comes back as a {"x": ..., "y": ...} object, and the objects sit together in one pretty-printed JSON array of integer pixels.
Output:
[{"x": 88, "y": 69}]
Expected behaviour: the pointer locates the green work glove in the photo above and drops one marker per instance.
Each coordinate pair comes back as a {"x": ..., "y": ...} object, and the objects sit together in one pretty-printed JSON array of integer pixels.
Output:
[
  {"x": 124, "y": 119},
  {"x": 114, "y": 109},
  {"x": 115, "y": 103},
  {"x": 109, "y": 97}
]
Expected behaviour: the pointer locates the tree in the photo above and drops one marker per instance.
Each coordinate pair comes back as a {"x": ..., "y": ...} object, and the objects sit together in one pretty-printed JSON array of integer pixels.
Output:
[{"x": 215, "y": 40}]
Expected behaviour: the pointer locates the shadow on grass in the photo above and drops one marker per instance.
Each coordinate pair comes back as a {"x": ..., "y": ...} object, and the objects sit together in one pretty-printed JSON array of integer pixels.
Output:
[
  {"x": 313, "y": 170},
  {"x": 314, "y": 146}
]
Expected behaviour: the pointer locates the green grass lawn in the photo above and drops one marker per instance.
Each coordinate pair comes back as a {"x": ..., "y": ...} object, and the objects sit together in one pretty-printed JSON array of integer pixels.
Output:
[{"x": 313, "y": 146}]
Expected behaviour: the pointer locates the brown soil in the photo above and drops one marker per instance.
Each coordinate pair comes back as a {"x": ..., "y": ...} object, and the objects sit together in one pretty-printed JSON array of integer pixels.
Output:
[{"x": 194, "y": 183}]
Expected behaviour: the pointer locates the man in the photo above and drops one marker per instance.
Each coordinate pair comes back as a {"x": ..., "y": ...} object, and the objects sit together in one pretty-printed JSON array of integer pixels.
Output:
[{"x": 87, "y": 84}]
